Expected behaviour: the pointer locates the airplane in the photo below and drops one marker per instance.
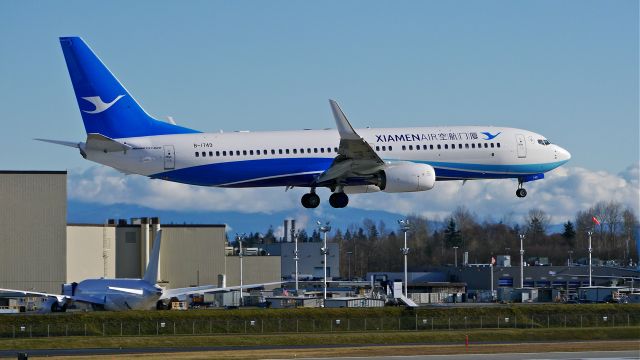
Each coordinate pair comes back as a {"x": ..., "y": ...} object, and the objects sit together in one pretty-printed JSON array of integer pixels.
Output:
[
  {"x": 120, "y": 134},
  {"x": 125, "y": 294}
]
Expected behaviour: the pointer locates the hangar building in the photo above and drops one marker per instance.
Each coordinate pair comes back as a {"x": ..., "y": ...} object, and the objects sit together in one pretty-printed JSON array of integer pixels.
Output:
[{"x": 39, "y": 251}]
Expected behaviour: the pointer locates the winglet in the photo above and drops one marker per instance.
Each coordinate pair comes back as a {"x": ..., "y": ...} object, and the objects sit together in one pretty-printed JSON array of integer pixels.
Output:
[
  {"x": 151, "y": 275},
  {"x": 344, "y": 127}
]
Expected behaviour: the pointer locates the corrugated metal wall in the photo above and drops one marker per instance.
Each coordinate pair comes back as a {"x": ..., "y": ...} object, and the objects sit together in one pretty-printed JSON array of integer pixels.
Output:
[
  {"x": 87, "y": 246},
  {"x": 33, "y": 216}
]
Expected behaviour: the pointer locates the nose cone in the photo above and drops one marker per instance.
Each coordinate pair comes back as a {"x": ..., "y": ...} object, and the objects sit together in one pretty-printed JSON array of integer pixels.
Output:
[{"x": 562, "y": 154}]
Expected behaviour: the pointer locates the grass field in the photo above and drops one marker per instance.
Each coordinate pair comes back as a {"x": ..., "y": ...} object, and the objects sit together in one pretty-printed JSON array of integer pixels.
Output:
[{"x": 351, "y": 338}]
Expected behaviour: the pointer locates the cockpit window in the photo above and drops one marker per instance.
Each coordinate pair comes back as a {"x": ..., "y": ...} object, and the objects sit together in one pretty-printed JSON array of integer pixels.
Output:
[{"x": 543, "y": 142}]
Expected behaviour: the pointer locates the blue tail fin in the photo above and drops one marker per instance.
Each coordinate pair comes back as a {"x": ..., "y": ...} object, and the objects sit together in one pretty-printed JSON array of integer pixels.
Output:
[{"x": 106, "y": 106}]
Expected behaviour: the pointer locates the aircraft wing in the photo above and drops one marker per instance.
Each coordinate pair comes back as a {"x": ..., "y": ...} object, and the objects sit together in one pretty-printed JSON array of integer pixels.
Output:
[
  {"x": 36, "y": 293},
  {"x": 355, "y": 156},
  {"x": 209, "y": 289},
  {"x": 60, "y": 298}
]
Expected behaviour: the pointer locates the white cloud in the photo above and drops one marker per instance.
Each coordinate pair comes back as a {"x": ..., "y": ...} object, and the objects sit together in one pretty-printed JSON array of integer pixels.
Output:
[{"x": 561, "y": 194}]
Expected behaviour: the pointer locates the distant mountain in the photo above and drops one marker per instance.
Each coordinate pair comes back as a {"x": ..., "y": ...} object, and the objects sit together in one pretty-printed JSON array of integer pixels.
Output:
[{"x": 82, "y": 212}]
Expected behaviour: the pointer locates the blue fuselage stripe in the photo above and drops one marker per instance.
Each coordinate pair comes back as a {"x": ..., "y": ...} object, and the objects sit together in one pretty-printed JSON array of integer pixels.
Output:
[{"x": 303, "y": 171}]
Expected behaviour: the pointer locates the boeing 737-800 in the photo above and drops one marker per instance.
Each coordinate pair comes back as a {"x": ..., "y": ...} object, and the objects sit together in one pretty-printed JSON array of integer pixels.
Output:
[{"x": 120, "y": 134}]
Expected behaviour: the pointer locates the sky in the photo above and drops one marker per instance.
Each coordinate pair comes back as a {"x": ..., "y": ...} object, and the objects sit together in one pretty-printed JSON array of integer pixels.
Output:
[{"x": 567, "y": 70}]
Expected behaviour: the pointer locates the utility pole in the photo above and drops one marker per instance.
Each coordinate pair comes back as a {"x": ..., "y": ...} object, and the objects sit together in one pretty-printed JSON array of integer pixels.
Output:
[
  {"x": 590, "y": 250},
  {"x": 324, "y": 251},
  {"x": 455, "y": 256},
  {"x": 239, "y": 238},
  {"x": 521, "y": 262},
  {"x": 295, "y": 256},
  {"x": 405, "y": 227}
]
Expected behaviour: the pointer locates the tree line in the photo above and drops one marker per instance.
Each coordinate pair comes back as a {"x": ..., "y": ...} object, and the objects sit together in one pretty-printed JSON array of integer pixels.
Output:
[{"x": 375, "y": 246}]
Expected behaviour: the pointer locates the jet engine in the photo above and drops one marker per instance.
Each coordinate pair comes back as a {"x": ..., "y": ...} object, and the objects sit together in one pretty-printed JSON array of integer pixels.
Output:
[{"x": 406, "y": 176}]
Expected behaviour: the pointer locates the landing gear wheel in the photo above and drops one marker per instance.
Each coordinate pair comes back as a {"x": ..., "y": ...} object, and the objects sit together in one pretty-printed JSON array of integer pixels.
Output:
[
  {"x": 310, "y": 200},
  {"x": 338, "y": 200},
  {"x": 521, "y": 193}
]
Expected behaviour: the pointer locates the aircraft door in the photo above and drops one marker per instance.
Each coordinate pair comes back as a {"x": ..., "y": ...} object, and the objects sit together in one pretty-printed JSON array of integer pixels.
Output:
[
  {"x": 522, "y": 146},
  {"x": 169, "y": 157}
]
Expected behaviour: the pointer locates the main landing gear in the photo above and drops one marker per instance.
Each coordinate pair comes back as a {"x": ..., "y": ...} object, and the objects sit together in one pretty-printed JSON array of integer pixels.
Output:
[
  {"x": 310, "y": 200},
  {"x": 337, "y": 200},
  {"x": 521, "y": 192}
]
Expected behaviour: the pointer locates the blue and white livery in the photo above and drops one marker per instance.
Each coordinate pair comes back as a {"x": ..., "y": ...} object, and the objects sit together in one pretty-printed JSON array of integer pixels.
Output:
[{"x": 122, "y": 135}]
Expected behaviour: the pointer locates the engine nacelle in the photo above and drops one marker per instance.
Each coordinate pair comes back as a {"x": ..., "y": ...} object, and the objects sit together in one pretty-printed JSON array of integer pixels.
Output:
[{"x": 406, "y": 177}]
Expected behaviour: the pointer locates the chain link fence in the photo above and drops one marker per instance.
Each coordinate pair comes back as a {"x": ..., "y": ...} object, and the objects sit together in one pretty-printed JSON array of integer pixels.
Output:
[{"x": 270, "y": 326}]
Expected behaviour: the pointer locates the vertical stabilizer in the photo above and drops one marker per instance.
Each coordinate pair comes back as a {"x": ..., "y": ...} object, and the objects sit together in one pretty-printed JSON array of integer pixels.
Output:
[
  {"x": 151, "y": 275},
  {"x": 106, "y": 106}
]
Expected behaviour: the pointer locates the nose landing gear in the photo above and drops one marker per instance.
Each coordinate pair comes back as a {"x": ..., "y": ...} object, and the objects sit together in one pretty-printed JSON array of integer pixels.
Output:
[{"x": 521, "y": 192}]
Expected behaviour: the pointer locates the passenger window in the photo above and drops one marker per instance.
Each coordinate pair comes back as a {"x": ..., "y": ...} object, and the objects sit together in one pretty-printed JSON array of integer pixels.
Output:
[
  {"x": 273, "y": 152},
  {"x": 459, "y": 146},
  {"x": 328, "y": 150},
  {"x": 410, "y": 147},
  {"x": 210, "y": 153},
  {"x": 250, "y": 152},
  {"x": 424, "y": 147},
  {"x": 315, "y": 150},
  {"x": 280, "y": 151},
  {"x": 439, "y": 147},
  {"x": 479, "y": 145},
  {"x": 231, "y": 153},
  {"x": 377, "y": 148},
  {"x": 336, "y": 150},
  {"x": 473, "y": 146},
  {"x": 492, "y": 145},
  {"x": 238, "y": 152},
  {"x": 197, "y": 154},
  {"x": 308, "y": 150},
  {"x": 446, "y": 146},
  {"x": 417, "y": 147},
  {"x": 322, "y": 150},
  {"x": 390, "y": 147},
  {"x": 204, "y": 153},
  {"x": 295, "y": 151},
  {"x": 498, "y": 144},
  {"x": 384, "y": 148},
  {"x": 404, "y": 148},
  {"x": 486, "y": 145},
  {"x": 217, "y": 153},
  {"x": 286, "y": 151},
  {"x": 466, "y": 146},
  {"x": 244, "y": 152},
  {"x": 257, "y": 152},
  {"x": 264, "y": 151},
  {"x": 431, "y": 147}
]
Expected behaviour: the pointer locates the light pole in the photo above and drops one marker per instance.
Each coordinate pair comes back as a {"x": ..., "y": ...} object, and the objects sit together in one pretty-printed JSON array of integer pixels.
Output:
[
  {"x": 405, "y": 227},
  {"x": 570, "y": 260},
  {"x": 590, "y": 249},
  {"x": 455, "y": 256},
  {"x": 349, "y": 253},
  {"x": 521, "y": 262},
  {"x": 295, "y": 255},
  {"x": 324, "y": 251},
  {"x": 239, "y": 238}
]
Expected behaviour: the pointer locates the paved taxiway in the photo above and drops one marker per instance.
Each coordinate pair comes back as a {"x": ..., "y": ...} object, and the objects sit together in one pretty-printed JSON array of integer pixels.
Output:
[{"x": 590, "y": 355}]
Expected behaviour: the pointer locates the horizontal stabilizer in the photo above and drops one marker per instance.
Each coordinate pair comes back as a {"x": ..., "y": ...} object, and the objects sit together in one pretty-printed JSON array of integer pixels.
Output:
[
  {"x": 105, "y": 144},
  {"x": 60, "y": 142}
]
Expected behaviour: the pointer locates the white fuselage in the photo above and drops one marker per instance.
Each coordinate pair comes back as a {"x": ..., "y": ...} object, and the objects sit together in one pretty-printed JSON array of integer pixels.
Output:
[{"x": 297, "y": 158}]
